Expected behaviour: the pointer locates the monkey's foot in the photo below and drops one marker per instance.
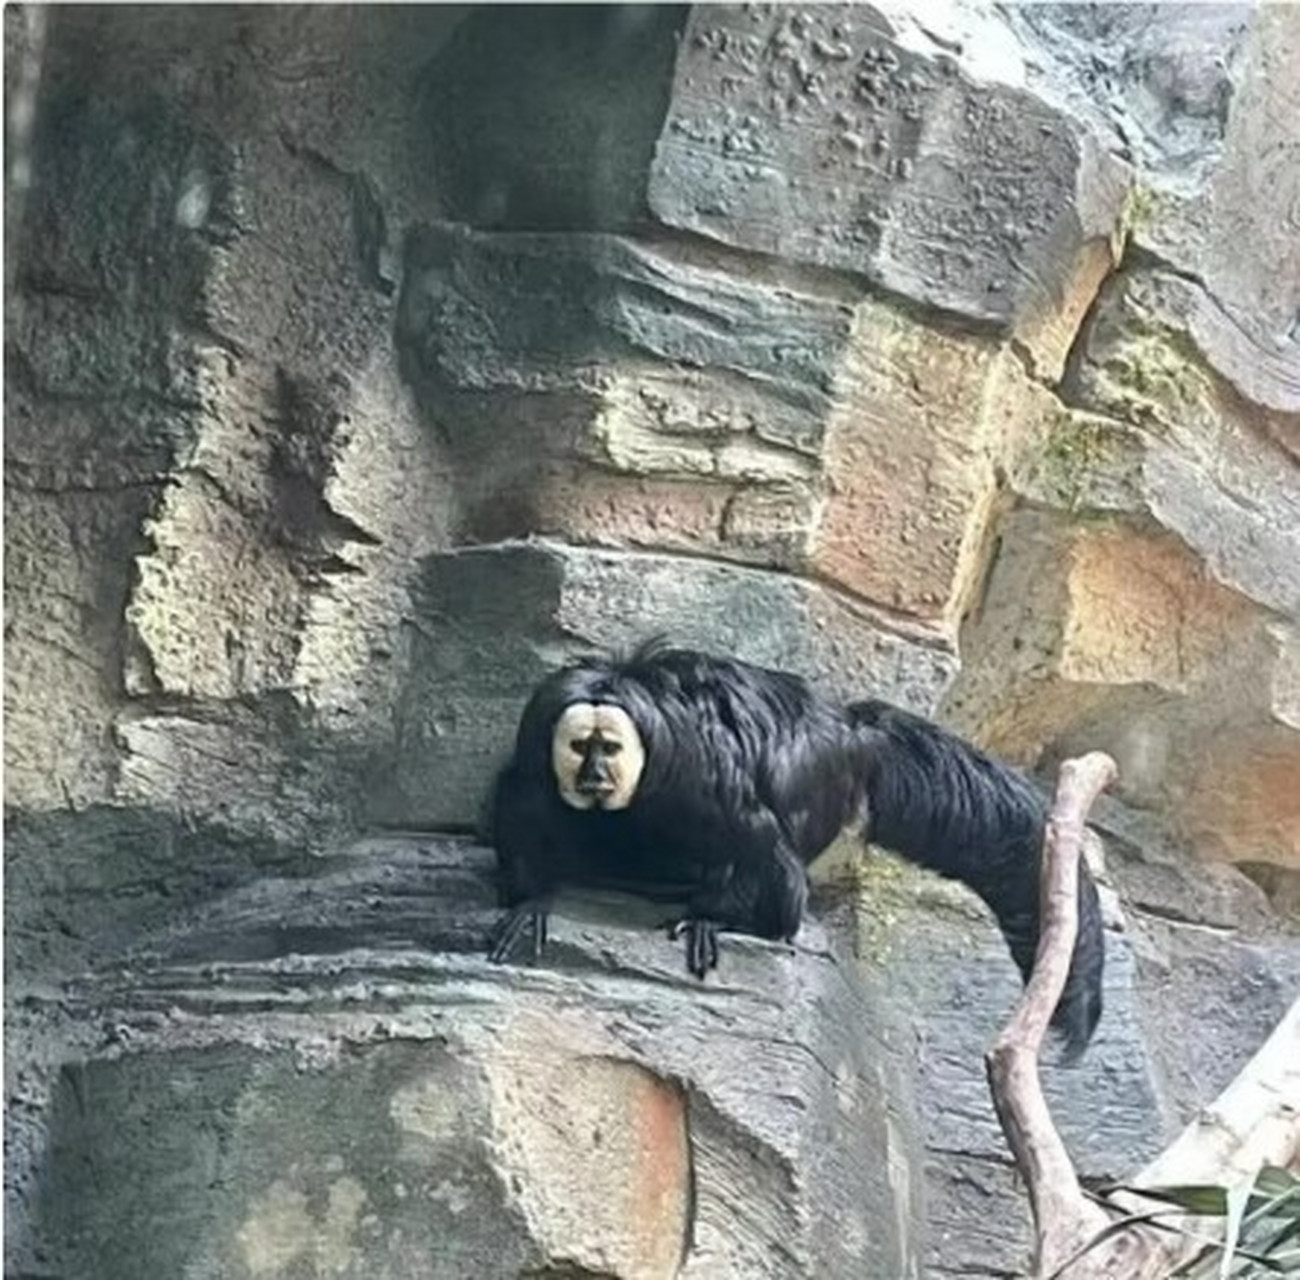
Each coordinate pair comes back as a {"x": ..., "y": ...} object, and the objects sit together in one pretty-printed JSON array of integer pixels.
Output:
[
  {"x": 512, "y": 926},
  {"x": 701, "y": 943}
]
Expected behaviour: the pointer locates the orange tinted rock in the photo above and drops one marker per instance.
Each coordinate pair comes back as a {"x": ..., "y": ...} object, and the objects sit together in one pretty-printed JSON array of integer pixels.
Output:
[
  {"x": 913, "y": 455},
  {"x": 597, "y": 1153},
  {"x": 1113, "y": 636},
  {"x": 1241, "y": 796}
]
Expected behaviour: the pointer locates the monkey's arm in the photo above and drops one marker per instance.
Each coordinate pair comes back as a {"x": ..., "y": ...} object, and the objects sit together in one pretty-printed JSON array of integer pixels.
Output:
[
  {"x": 521, "y": 834},
  {"x": 753, "y": 883}
]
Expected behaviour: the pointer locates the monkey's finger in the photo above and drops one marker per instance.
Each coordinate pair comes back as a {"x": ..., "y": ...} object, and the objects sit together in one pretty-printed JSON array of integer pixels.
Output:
[
  {"x": 707, "y": 935},
  {"x": 685, "y": 929},
  {"x": 511, "y": 929},
  {"x": 503, "y": 938}
]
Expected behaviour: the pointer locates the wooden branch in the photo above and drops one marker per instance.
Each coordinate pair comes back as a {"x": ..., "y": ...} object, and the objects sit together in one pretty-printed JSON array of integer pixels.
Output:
[
  {"x": 1063, "y": 1219},
  {"x": 1255, "y": 1121}
]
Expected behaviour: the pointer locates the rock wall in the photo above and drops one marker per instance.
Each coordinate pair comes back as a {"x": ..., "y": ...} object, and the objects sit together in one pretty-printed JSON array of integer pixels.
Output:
[{"x": 363, "y": 364}]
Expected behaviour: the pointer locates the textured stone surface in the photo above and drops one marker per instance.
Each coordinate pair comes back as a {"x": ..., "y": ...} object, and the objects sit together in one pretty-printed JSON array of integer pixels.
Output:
[
  {"x": 933, "y": 951},
  {"x": 806, "y": 344},
  {"x": 915, "y": 478},
  {"x": 1107, "y": 635},
  {"x": 492, "y": 621},
  {"x": 839, "y": 147},
  {"x": 549, "y": 120},
  {"x": 1175, "y": 650},
  {"x": 220, "y": 477},
  {"x": 610, "y": 391},
  {"x": 1215, "y": 468},
  {"x": 932, "y": 945},
  {"x": 667, "y": 397},
  {"x": 326, "y": 1081},
  {"x": 1203, "y": 99},
  {"x": 1158, "y": 84}
]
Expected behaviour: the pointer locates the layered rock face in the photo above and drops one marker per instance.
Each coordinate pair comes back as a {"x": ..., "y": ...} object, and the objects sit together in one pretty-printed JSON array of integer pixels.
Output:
[{"x": 363, "y": 365}]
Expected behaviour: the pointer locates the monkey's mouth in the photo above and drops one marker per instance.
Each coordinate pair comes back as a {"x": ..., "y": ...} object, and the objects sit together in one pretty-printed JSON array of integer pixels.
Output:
[{"x": 596, "y": 792}]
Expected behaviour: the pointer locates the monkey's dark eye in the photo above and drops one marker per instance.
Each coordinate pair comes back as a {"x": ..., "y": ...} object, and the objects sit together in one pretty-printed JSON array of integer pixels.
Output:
[
  {"x": 578, "y": 746},
  {"x": 610, "y": 748}
]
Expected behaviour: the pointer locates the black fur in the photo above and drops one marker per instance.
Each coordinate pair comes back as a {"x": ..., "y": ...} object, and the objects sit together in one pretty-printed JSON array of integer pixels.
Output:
[{"x": 748, "y": 776}]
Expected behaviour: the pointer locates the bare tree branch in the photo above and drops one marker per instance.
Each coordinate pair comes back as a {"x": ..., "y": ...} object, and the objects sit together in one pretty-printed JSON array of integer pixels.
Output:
[
  {"x": 1256, "y": 1120},
  {"x": 1063, "y": 1219}
]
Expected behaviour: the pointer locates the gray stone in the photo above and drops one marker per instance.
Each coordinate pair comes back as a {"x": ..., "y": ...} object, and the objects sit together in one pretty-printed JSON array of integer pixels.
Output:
[
  {"x": 1161, "y": 882},
  {"x": 934, "y": 951},
  {"x": 1158, "y": 84},
  {"x": 1203, "y": 98},
  {"x": 326, "y": 1074},
  {"x": 1198, "y": 461},
  {"x": 120, "y": 871},
  {"x": 257, "y": 390},
  {"x": 1193, "y": 977},
  {"x": 539, "y": 119},
  {"x": 838, "y": 147},
  {"x": 552, "y": 313},
  {"x": 291, "y": 1170}
]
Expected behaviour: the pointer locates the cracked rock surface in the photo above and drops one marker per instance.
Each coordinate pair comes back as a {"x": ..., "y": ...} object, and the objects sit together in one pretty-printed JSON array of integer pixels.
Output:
[{"x": 363, "y": 365}]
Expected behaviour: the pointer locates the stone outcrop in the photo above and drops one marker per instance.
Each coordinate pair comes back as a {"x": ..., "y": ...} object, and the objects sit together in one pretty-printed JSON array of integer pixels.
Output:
[
  {"x": 364, "y": 365},
  {"x": 373, "y": 1091}
]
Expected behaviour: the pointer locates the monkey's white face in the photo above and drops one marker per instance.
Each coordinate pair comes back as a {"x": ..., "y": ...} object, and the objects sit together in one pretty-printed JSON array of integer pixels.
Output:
[{"x": 597, "y": 756}]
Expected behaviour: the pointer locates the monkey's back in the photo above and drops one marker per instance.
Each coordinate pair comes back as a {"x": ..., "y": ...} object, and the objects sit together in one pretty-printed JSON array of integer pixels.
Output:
[{"x": 725, "y": 735}]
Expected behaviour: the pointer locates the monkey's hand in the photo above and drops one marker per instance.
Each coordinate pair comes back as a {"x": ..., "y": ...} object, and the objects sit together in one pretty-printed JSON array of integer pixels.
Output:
[
  {"x": 531, "y": 914},
  {"x": 701, "y": 943}
]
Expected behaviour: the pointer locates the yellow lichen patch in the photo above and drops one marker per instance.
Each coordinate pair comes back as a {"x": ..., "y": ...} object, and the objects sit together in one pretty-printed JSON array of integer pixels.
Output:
[
  {"x": 881, "y": 892},
  {"x": 1073, "y": 454}
]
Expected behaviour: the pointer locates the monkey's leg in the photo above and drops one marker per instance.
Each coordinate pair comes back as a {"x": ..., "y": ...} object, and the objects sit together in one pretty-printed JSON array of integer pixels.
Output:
[{"x": 531, "y": 914}]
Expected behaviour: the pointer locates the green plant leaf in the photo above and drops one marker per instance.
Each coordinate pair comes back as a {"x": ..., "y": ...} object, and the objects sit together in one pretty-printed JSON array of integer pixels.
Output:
[
  {"x": 1238, "y": 1197},
  {"x": 1203, "y": 1200}
]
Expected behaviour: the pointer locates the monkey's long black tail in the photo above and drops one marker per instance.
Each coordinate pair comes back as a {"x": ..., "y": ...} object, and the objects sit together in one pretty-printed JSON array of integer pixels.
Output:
[{"x": 944, "y": 804}]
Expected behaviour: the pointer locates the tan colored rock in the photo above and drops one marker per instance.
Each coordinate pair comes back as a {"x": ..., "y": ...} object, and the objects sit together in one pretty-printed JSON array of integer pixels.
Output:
[
  {"x": 62, "y": 641},
  {"x": 718, "y": 407},
  {"x": 388, "y": 487},
  {"x": 1110, "y": 635},
  {"x": 1047, "y": 334},
  {"x": 751, "y": 524},
  {"x": 216, "y": 611},
  {"x": 1239, "y": 798},
  {"x": 908, "y": 474},
  {"x": 597, "y": 1155},
  {"x": 914, "y": 456},
  {"x": 1142, "y": 611},
  {"x": 1099, "y": 605},
  {"x": 591, "y": 506},
  {"x": 909, "y": 467}
]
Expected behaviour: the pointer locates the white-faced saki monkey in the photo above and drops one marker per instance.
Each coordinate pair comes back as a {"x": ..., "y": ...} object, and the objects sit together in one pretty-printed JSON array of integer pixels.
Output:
[{"x": 719, "y": 781}]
